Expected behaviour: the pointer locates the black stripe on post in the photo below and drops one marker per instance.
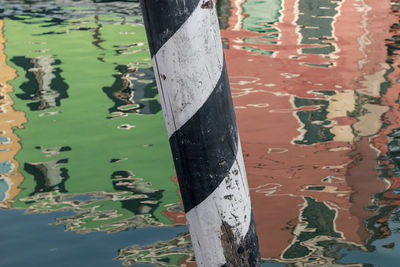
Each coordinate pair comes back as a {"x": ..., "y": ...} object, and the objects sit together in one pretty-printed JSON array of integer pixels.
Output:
[
  {"x": 167, "y": 16},
  {"x": 205, "y": 147}
]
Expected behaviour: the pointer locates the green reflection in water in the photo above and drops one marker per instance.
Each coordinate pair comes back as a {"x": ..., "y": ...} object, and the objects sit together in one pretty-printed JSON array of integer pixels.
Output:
[
  {"x": 264, "y": 16},
  {"x": 159, "y": 252},
  {"x": 85, "y": 85},
  {"x": 224, "y": 12},
  {"x": 45, "y": 86},
  {"x": 320, "y": 222},
  {"x": 316, "y": 126},
  {"x": 316, "y": 19},
  {"x": 133, "y": 91}
]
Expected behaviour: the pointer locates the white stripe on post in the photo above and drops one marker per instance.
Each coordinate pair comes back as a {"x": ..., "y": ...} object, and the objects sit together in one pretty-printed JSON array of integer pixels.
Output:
[
  {"x": 189, "y": 64},
  {"x": 230, "y": 202}
]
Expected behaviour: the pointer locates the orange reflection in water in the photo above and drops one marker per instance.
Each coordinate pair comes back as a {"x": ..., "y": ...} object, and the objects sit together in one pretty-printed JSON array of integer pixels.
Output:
[
  {"x": 9, "y": 119},
  {"x": 310, "y": 116}
]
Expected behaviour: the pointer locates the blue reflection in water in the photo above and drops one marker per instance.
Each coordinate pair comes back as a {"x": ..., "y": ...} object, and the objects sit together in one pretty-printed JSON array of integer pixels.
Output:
[
  {"x": 386, "y": 251},
  {"x": 42, "y": 244},
  {"x": 83, "y": 198},
  {"x": 3, "y": 189},
  {"x": 5, "y": 166},
  {"x": 270, "y": 264},
  {"x": 380, "y": 257}
]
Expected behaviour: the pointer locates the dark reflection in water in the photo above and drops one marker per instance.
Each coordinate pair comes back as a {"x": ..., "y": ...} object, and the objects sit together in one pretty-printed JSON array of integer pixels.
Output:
[
  {"x": 63, "y": 10},
  {"x": 45, "y": 86},
  {"x": 97, "y": 37},
  {"x": 319, "y": 219},
  {"x": 134, "y": 91},
  {"x": 145, "y": 204},
  {"x": 316, "y": 19},
  {"x": 394, "y": 153},
  {"x": 316, "y": 124},
  {"x": 49, "y": 176},
  {"x": 224, "y": 12}
]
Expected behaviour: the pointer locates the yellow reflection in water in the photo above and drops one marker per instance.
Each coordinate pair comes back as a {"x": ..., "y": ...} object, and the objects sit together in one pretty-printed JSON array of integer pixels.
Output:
[{"x": 9, "y": 118}]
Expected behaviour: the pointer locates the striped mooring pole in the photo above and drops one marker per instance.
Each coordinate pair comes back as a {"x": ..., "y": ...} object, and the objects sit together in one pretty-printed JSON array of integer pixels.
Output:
[{"x": 188, "y": 60}]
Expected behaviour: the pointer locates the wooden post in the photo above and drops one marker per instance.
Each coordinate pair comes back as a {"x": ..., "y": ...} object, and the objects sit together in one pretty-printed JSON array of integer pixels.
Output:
[{"x": 188, "y": 60}]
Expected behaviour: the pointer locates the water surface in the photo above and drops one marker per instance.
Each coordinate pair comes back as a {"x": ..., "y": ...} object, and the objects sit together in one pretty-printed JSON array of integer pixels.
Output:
[{"x": 86, "y": 170}]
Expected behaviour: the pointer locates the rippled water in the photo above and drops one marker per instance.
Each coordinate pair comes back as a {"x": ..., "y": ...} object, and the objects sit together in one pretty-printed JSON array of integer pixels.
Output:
[{"x": 86, "y": 171}]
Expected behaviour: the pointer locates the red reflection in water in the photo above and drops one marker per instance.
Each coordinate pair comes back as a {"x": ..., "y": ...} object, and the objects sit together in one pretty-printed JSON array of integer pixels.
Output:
[{"x": 313, "y": 119}]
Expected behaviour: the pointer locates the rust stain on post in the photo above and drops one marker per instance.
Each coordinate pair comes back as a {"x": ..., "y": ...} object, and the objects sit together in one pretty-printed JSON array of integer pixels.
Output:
[{"x": 235, "y": 254}]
